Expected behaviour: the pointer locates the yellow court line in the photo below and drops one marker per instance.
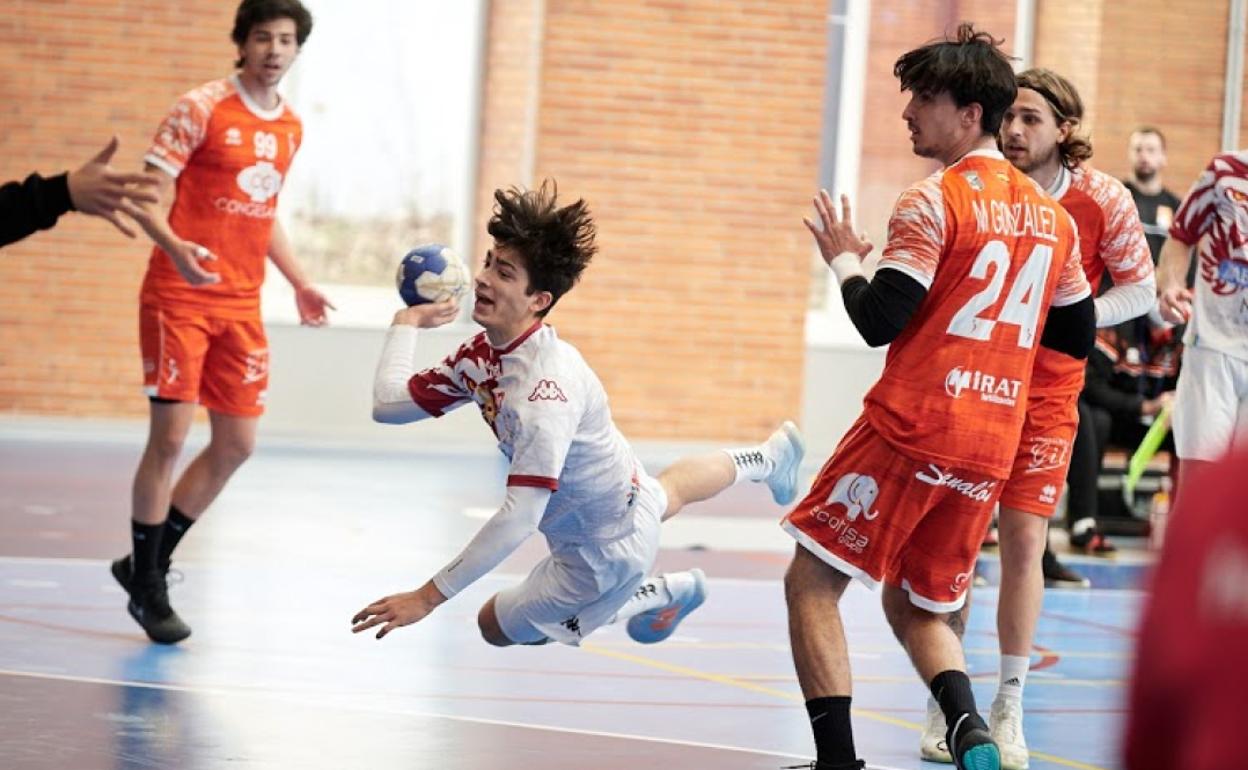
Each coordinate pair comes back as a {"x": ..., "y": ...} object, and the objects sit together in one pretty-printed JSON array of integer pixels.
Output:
[
  {"x": 899, "y": 679},
  {"x": 707, "y": 676},
  {"x": 1082, "y": 654}
]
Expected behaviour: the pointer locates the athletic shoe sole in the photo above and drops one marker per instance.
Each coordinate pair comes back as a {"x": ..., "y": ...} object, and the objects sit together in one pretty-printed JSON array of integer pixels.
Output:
[
  {"x": 657, "y": 625},
  {"x": 785, "y": 489}
]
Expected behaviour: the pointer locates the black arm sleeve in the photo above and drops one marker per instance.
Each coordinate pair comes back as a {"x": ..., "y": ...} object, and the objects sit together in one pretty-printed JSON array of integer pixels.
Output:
[
  {"x": 1099, "y": 390},
  {"x": 34, "y": 204},
  {"x": 1071, "y": 329},
  {"x": 882, "y": 308}
]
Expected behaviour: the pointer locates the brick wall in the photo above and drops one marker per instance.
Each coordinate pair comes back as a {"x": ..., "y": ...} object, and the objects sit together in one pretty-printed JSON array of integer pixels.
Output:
[
  {"x": 1147, "y": 61},
  {"x": 71, "y": 75},
  {"x": 691, "y": 126}
]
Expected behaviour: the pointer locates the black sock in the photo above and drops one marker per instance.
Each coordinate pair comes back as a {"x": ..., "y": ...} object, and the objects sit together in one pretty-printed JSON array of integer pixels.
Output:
[
  {"x": 834, "y": 736},
  {"x": 145, "y": 545},
  {"x": 952, "y": 690},
  {"x": 176, "y": 526}
]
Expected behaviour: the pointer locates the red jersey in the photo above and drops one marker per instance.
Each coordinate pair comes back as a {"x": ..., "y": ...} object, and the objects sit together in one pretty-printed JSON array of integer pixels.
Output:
[
  {"x": 1187, "y": 692},
  {"x": 1111, "y": 238},
  {"x": 229, "y": 157},
  {"x": 994, "y": 252}
]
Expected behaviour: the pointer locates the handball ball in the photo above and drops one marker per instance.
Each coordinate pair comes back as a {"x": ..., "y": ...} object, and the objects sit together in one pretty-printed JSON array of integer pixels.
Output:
[{"x": 431, "y": 273}]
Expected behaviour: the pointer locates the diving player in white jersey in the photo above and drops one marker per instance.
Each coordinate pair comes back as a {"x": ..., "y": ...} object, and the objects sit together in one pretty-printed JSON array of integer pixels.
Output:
[{"x": 573, "y": 476}]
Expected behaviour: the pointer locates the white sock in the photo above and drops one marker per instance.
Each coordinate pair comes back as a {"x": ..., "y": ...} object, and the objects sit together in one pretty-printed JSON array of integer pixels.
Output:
[
  {"x": 751, "y": 463},
  {"x": 652, "y": 594},
  {"x": 1013, "y": 676}
]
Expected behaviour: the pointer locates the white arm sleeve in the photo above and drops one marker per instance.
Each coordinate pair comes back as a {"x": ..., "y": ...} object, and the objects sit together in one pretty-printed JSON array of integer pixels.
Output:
[
  {"x": 502, "y": 534},
  {"x": 392, "y": 401},
  {"x": 1125, "y": 301}
]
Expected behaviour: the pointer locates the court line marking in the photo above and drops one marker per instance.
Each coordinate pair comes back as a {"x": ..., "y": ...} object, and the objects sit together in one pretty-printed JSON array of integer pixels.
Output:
[
  {"x": 302, "y": 698},
  {"x": 602, "y": 651},
  {"x": 732, "y": 682},
  {"x": 84, "y": 561}
]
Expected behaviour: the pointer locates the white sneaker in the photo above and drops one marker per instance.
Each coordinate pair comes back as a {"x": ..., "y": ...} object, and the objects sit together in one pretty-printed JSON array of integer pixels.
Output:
[
  {"x": 786, "y": 449},
  {"x": 1005, "y": 722},
  {"x": 932, "y": 746}
]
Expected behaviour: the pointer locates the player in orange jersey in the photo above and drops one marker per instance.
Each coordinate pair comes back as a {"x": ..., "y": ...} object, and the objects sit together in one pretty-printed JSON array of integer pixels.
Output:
[
  {"x": 1040, "y": 135},
  {"x": 222, "y": 153},
  {"x": 980, "y": 267}
]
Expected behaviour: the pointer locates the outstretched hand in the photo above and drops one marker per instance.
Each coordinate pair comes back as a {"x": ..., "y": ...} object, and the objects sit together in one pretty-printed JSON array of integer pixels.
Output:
[
  {"x": 398, "y": 610},
  {"x": 97, "y": 189},
  {"x": 836, "y": 236}
]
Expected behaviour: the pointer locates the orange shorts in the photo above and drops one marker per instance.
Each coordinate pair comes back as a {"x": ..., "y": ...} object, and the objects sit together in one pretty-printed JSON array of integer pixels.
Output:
[
  {"x": 223, "y": 363},
  {"x": 879, "y": 516},
  {"x": 1043, "y": 457}
]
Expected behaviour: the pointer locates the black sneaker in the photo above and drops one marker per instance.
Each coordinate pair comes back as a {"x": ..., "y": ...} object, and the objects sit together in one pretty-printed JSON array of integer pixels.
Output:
[
  {"x": 972, "y": 747},
  {"x": 1093, "y": 543},
  {"x": 857, "y": 765},
  {"x": 1058, "y": 575},
  {"x": 149, "y": 605},
  {"x": 123, "y": 572}
]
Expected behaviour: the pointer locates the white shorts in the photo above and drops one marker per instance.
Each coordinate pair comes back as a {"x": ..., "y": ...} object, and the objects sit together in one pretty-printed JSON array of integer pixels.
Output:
[
  {"x": 579, "y": 588},
  {"x": 1210, "y": 404}
]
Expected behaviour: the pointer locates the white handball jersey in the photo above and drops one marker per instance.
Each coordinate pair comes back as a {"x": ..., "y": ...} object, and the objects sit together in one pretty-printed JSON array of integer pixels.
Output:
[
  {"x": 549, "y": 412},
  {"x": 1215, "y": 215}
]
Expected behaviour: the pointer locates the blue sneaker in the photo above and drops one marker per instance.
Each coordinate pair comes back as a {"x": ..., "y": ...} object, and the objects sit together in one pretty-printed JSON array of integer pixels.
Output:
[
  {"x": 657, "y": 625},
  {"x": 786, "y": 448}
]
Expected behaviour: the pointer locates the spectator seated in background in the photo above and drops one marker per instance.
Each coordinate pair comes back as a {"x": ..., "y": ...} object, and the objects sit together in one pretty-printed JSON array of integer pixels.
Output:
[{"x": 1131, "y": 377}]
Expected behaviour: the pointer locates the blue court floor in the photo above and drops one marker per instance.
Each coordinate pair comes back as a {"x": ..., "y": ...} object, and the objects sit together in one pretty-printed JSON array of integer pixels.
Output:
[{"x": 306, "y": 535}]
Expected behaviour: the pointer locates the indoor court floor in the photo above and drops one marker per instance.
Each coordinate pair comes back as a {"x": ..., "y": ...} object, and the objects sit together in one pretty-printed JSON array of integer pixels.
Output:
[{"x": 307, "y": 534}]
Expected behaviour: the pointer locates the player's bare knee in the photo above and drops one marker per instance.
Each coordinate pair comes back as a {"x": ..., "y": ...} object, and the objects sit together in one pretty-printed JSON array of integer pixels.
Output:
[
  {"x": 808, "y": 573},
  {"x": 674, "y": 501},
  {"x": 491, "y": 631},
  {"x": 1023, "y": 538},
  {"x": 229, "y": 453}
]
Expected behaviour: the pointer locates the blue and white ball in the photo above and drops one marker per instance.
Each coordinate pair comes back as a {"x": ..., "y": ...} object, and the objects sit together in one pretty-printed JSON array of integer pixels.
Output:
[{"x": 431, "y": 273}]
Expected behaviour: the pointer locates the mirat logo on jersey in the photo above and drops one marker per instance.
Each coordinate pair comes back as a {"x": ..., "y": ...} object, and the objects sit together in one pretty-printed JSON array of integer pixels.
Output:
[{"x": 993, "y": 389}]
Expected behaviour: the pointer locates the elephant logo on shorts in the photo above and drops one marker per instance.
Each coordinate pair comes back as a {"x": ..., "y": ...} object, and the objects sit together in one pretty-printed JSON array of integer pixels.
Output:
[{"x": 857, "y": 492}]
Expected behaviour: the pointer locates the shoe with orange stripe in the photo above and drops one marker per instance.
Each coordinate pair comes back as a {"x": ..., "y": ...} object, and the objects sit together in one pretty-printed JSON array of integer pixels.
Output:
[{"x": 658, "y": 624}]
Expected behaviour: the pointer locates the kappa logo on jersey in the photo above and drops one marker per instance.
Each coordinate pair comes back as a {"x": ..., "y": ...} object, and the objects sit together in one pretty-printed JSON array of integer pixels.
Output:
[
  {"x": 973, "y": 180},
  {"x": 233, "y": 137},
  {"x": 992, "y": 389},
  {"x": 980, "y": 492},
  {"x": 547, "y": 390},
  {"x": 573, "y": 624},
  {"x": 257, "y": 366},
  {"x": 261, "y": 181},
  {"x": 1047, "y": 453},
  {"x": 1048, "y": 494}
]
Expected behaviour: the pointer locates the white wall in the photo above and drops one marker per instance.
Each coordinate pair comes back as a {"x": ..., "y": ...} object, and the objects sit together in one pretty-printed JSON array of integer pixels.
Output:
[{"x": 321, "y": 388}]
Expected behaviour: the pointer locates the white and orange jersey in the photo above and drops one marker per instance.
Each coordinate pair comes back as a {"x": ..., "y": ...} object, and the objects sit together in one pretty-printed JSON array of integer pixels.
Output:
[
  {"x": 549, "y": 412},
  {"x": 1215, "y": 215},
  {"x": 1112, "y": 240},
  {"x": 229, "y": 157},
  {"x": 994, "y": 252}
]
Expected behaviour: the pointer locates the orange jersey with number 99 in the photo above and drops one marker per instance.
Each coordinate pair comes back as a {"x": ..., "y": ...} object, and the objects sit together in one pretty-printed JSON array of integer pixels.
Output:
[
  {"x": 994, "y": 253},
  {"x": 229, "y": 157}
]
